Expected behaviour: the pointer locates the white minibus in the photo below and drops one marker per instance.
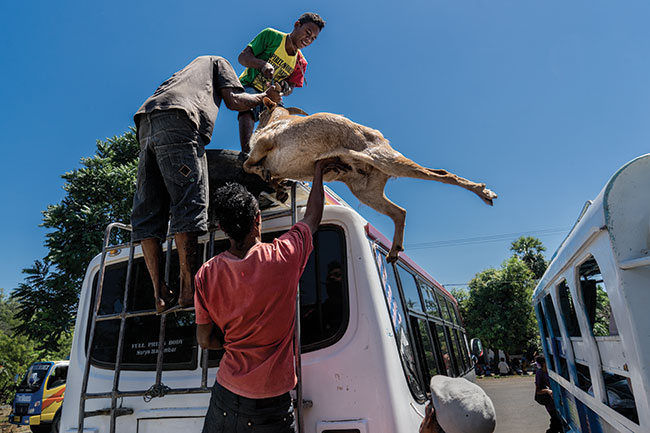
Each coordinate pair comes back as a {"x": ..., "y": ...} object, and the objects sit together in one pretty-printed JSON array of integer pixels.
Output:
[{"x": 372, "y": 336}]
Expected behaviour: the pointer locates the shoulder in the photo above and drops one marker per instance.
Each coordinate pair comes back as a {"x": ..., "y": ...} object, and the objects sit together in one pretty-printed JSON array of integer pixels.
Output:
[
  {"x": 270, "y": 34},
  {"x": 301, "y": 58}
]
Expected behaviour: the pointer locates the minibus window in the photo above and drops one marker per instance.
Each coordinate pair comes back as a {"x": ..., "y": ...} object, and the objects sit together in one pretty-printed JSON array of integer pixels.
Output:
[
  {"x": 33, "y": 379},
  {"x": 620, "y": 396},
  {"x": 429, "y": 361},
  {"x": 458, "y": 350},
  {"x": 584, "y": 378},
  {"x": 324, "y": 306},
  {"x": 410, "y": 290},
  {"x": 568, "y": 310},
  {"x": 324, "y": 291},
  {"x": 596, "y": 300},
  {"x": 558, "y": 350},
  {"x": 57, "y": 377},
  {"x": 443, "y": 306},
  {"x": 444, "y": 351},
  {"x": 399, "y": 320},
  {"x": 452, "y": 312},
  {"x": 545, "y": 336},
  {"x": 430, "y": 303}
]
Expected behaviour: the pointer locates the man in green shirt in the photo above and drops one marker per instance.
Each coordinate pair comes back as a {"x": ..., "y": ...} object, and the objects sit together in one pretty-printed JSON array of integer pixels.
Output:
[{"x": 275, "y": 57}]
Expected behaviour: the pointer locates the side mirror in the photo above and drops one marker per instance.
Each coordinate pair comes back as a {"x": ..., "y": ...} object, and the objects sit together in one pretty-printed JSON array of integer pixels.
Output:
[{"x": 476, "y": 347}]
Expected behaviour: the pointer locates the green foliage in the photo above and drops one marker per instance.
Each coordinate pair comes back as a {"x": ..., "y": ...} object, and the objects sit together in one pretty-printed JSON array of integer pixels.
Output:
[
  {"x": 16, "y": 351},
  {"x": 603, "y": 313},
  {"x": 462, "y": 297},
  {"x": 498, "y": 308},
  {"x": 98, "y": 193},
  {"x": 530, "y": 250}
]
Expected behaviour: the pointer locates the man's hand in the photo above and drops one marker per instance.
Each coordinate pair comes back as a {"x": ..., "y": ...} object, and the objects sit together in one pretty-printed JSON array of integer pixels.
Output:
[
  {"x": 273, "y": 93},
  {"x": 429, "y": 423},
  {"x": 267, "y": 70},
  {"x": 314, "y": 211}
]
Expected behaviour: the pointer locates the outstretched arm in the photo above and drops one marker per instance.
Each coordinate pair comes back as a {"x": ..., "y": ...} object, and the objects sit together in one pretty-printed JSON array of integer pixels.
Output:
[
  {"x": 238, "y": 100},
  {"x": 314, "y": 211}
]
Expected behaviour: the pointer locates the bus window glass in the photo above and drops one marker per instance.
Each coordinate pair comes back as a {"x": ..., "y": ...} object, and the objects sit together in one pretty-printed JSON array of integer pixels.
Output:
[
  {"x": 455, "y": 350},
  {"x": 430, "y": 364},
  {"x": 568, "y": 310},
  {"x": 546, "y": 337},
  {"x": 323, "y": 293},
  {"x": 398, "y": 319},
  {"x": 141, "y": 333},
  {"x": 444, "y": 351},
  {"x": 443, "y": 306},
  {"x": 620, "y": 396},
  {"x": 34, "y": 377},
  {"x": 453, "y": 313},
  {"x": 57, "y": 377},
  {"x": 596, "y": 300},
  {"x": 410, "y": 290},
  {"x": 584, "y": 378},
  {"x": 558, "y": 348},
  {"x": 462, "y": 352},
  {"x": 430, "y": 303}
]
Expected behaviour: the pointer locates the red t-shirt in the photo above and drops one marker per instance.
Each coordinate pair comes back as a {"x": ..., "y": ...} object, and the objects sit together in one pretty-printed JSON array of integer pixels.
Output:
[{"x": 253, "y": 301}]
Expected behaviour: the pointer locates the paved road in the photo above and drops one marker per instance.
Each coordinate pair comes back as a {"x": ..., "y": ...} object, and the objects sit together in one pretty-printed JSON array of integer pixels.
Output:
[{"x": 513, "y": 401}]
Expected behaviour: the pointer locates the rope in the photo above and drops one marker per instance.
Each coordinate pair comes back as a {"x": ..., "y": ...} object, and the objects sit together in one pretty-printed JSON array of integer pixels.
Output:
[{"x": 155, "y": 391}]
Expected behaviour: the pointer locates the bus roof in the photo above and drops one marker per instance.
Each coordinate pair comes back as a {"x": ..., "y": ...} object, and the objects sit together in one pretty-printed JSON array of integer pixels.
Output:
[{"x": 616, "y": 210}]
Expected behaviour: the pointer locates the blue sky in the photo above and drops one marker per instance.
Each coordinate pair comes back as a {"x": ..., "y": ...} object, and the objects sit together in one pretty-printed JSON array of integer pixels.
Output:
[{"x": 541, "y": 100}]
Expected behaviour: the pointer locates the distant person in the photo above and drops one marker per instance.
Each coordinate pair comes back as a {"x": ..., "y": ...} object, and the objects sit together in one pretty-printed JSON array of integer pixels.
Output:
[
  {"x": 173, "y": 127},
  {"x": 275, "y": 57},
  {"x": 544, "y": 394},
  {"x": 503, "y": 367}
]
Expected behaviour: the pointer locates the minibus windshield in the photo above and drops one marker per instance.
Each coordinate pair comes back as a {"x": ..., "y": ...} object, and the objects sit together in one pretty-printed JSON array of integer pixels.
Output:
[{"x": 34, "y": 378}]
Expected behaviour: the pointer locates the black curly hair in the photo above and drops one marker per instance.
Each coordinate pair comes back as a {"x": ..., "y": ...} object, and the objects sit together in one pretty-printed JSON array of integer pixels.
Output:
[
  {"x": 311, "y": 17},
  {"x": 236, "y": 209}
]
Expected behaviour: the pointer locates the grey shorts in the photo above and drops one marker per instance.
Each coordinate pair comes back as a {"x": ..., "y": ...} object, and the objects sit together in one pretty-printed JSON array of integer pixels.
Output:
[{"x": 172, "y": 177}]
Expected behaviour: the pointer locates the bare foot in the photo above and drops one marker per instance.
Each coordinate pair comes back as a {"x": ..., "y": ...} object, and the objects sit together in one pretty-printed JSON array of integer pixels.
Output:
[{"x": 164, "y": 303}]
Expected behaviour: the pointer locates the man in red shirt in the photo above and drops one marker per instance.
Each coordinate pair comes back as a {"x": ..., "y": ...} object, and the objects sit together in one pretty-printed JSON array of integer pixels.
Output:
[{"x": 245, "y": 302}]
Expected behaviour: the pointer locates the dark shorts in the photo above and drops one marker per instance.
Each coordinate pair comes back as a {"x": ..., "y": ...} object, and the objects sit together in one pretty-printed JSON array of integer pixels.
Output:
[
  {"x": 231, "y": 413},
  {"x": 172, "y": 177},
  {"x": 258, "y": 108}
]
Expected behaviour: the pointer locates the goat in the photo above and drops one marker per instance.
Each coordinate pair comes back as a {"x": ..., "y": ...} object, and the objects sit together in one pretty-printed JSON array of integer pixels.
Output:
[{"x": 287, "y": 146}]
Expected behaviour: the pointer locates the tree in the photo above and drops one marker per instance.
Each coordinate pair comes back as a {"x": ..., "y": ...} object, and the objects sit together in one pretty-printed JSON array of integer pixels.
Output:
[
  {"x": 98, "y": 193},
  {"x": 16, "y": 351},
  {"x": 462, "y": 297},
  {"x": 498, "y": 309},
  {"x": 530, "y": 250}
]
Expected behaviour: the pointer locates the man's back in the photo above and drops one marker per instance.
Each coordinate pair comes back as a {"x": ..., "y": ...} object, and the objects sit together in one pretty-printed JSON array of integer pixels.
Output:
[{"x": 252, "y": 300}]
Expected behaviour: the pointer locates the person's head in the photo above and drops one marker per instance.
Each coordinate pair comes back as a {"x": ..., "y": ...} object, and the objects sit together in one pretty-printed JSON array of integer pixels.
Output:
[
  {"x": 334, "y": 272},
  {"x": 237, "y": 211},
  {"x": 306, "y": 29},
  {"x": 503, "y": 359},
  {"x": 541, "y": 361}
]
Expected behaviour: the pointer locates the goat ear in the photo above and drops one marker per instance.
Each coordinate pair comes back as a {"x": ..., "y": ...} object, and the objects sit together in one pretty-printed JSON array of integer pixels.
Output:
[
  {"x": 296, "y": 110},
  {"x": 269, "y": 104}
]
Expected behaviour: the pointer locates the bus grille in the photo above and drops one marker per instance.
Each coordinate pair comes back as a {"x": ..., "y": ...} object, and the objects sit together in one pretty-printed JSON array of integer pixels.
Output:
[{"x": 21, "y": 409}]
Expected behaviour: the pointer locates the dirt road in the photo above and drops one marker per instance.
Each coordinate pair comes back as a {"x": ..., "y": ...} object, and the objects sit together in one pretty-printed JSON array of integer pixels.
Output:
[
  {"x": 5, "y": 427},
  {"x": 513, "y": 401}
]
